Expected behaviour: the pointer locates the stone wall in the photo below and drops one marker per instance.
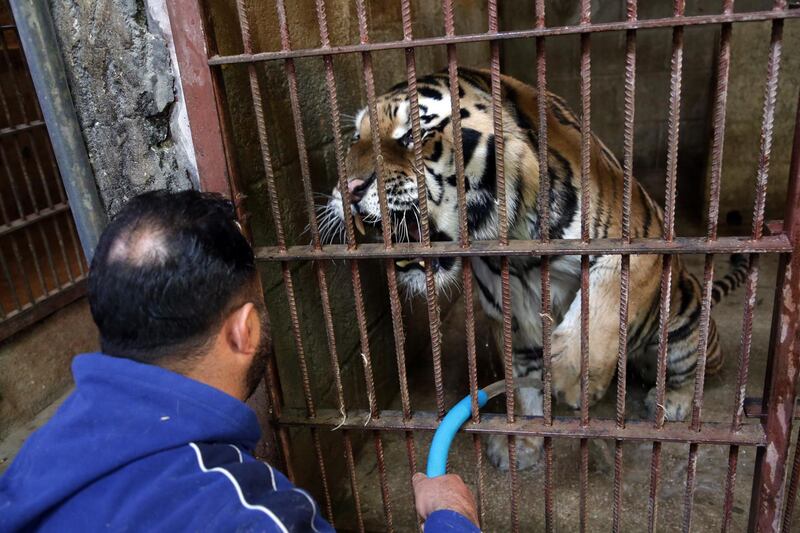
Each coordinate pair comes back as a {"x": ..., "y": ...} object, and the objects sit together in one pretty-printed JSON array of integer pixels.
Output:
[{"x": 123, "y": 86}]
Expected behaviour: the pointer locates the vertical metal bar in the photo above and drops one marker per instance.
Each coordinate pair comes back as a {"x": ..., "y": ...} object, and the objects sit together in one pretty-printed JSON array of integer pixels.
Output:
[
  {"x": 391, "y": 275},
  {"x": 422, "y": 199},
  {"x": 63, "y": 249},
  {"x": 627, "y": 176},
  {"x": 12, "y": 288},
  {"x": 666, "y": 273},
  {"x": 23, "y": 215},
  {"x": 48, "y": 198},
  {"x": 502, "y": 210},
  {"x": 319, "y": 265},
  {"x": 770, "y": 101},
  {"x": 723, "y": 66},
  {"x": 730, "y": 482},
  {"x": 73, "y": 232},
  {"x": 543, "y": 201},
  {"x": 256, "y": 95},
  {"x": 782, "y": 361},
  {"x": 187, "y": 20},
  {"x": 37, "y": 35},
  {"x": 586, "y": 163},
  {"x": 463, "y": 237},
  {"x": 12, "y": 80}
]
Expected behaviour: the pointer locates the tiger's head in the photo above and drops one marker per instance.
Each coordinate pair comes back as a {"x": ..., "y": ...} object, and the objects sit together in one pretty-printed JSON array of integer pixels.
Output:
[{"x": 439, "y": 168}]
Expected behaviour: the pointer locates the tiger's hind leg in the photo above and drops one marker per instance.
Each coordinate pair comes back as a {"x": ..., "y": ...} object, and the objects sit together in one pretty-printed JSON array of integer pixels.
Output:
[{"x": 682, "y": 355}]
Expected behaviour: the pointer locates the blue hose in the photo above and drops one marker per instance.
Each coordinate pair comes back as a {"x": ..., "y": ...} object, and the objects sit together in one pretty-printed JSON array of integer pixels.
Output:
[{"x": 443, "y": 438}]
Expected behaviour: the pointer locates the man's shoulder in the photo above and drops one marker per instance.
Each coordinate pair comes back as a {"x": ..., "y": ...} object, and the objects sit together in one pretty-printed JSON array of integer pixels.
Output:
[{"x": 256, "y": 493}]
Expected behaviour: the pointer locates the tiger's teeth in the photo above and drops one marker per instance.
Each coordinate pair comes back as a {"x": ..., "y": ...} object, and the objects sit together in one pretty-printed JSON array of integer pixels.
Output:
[
  {"x": 359, "y": 224},
  {"x": 402, "y": 263}
]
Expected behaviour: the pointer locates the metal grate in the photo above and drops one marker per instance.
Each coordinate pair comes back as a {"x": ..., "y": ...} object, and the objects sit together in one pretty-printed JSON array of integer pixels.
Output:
[
  {"x": 204, "y": 93},
  {"x": 41, "y": 265}
]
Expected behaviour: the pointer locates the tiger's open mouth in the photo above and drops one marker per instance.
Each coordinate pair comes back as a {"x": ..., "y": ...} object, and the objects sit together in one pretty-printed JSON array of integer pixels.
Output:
[{"x": 405, "y": 228}]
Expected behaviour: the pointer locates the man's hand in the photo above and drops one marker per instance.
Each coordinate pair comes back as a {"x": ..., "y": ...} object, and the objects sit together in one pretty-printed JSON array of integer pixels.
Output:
[{"x": 443, "y": 492}]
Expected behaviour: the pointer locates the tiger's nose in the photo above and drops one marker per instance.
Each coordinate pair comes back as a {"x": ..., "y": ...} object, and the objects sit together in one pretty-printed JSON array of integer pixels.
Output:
[{"x": 356, "y": 189}]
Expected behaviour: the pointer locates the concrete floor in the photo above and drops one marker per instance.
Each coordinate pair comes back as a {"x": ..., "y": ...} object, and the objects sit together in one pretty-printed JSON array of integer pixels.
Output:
[{"x": 711, "y": 465}]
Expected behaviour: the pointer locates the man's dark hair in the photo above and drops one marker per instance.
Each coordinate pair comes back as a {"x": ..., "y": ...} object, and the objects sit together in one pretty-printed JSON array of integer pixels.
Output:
[{"x": 166, "y": 272}]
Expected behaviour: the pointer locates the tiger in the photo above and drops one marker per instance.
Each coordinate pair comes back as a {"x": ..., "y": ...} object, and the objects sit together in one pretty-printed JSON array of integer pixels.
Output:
[{"x": 521, "y": 163}]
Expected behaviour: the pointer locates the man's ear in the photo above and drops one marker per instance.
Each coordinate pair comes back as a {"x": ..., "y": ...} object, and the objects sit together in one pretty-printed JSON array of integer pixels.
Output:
[{"x": 241, "y": 329}]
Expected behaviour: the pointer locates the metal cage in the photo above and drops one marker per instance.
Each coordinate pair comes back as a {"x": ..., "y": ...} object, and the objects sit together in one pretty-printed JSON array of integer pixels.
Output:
[
  {"x": 42, "y": 267},
  {"x": 770, "y": 434}
]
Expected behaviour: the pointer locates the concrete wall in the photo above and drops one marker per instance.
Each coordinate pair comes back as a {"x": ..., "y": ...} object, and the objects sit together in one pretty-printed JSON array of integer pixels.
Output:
[
  {"x": 750, "y": 43},
  {"x": 749, "y": 53},
  {"x": 123, "y": 85}
]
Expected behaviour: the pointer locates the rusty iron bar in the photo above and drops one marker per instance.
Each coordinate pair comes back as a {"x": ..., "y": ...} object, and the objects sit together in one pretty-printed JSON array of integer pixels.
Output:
[
  {"x": 23, "y": 214},
  {"x": 391, "y": 275},
  {"x": 543, "y": 203},
  {"x": 49, "y": 201},
  {"x": 782, "y": 361},
  {"x": 355, "y": 275},
  {"x": 766, "y": 505},
  {"x": 42, "y": 214},
  {"x": 489, "y": 248},
  {"x": 676, "y": 65},
  {"x": 502, "y": 232},
  {"x": 464, "y": 241},
  {"x": 434, "y": 319},
  {"x": 730, "y": 482},
  {"x": 625, "y": 264},
  {"x": 20, "y": 128},
  {"x": 320, "y": 265},
  {"x": 586, "y": 165},
  {"x": 321, "y": 279},
  {"x": 28, "y": 314},
  {"x": 715, "y": 433},
  {"x": 640, "y": 24},
  {"x": 256, "y": 96},
  {"x": 37, "y": 209}
]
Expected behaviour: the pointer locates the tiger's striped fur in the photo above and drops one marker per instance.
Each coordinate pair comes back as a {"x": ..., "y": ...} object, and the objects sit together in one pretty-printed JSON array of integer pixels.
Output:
[{"x": 520, "y": 115}]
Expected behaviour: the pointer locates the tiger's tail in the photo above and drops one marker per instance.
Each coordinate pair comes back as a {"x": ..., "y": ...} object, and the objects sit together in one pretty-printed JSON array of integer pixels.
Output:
[{"x": 732, "y": 280}]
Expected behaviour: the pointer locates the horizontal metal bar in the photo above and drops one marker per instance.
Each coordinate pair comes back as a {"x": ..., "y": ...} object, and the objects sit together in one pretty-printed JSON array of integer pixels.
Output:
[
  {"x": 21, "y": 127},
  {"x": 753, "y": 408},
  {"x": 635, "y": 430},
  {"x": 681, "y": 245},
  {"x": 33, "y": 218},
  {"x": 506, "y": 35},
  {"x": 31, "y": 313}
]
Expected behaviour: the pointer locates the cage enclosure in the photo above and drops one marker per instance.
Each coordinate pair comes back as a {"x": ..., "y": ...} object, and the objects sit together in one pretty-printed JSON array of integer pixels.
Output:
[{"x": 696, "y": 101}]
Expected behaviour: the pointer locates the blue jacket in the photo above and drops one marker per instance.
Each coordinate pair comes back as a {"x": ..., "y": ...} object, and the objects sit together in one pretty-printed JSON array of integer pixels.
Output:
[{"x": 137, "y": 447}]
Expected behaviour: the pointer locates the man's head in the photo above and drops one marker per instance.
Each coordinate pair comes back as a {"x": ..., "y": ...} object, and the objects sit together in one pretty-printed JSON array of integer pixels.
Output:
[{"x": 173, "y": 282}]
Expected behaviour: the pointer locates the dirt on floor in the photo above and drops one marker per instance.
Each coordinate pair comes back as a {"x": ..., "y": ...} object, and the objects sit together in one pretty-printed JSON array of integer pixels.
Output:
[{"x": 712, "y": 463}]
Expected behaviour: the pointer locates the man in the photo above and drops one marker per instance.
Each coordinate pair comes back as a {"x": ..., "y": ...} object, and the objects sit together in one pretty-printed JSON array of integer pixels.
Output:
[{"x": 156, "y": 435}]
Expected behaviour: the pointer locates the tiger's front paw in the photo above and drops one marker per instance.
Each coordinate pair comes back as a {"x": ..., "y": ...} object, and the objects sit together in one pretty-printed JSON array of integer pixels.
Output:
[
  {"x": 528, "y": 449},
  {"x": 565, "y": 366},
  {"x": 677, "y": 403}
]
